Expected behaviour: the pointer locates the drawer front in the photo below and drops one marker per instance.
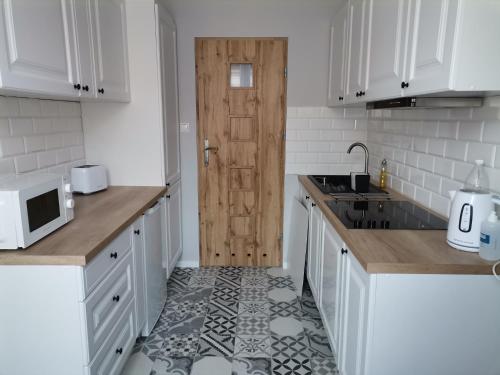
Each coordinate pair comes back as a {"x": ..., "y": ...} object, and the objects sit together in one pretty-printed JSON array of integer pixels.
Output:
[
  {"x": 107, "y": 302},
  {"x": 115, "y": 351},
  {"x": 109, "y": 257}
]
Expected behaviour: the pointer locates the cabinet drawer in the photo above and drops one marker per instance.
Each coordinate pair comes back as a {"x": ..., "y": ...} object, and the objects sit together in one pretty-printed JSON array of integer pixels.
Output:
[
  {"x": 106, "y": 303},
  {"x": 115, "y": 351},
  {"x": 102, "y": 264}
]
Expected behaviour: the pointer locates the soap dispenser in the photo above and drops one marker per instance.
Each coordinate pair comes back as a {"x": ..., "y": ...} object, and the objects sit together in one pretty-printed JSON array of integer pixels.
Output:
[{"x": 489, "y": 246}]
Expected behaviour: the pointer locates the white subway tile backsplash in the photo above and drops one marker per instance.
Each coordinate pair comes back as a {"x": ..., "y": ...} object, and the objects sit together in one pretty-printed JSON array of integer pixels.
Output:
[
  {"x": 470, "y": 131},
  {"x": 481, "y": 151},
  {"x": 37, "y": 134},
  {"x": 21, "y": 126},
  {"x": 297, "y": 123},
  {"x": 491, "y": 132},
  {"x": 345, "y": 124},
  {"x": 455, "y": 150},
  {"x": 331, "y": 135},
  {"x": 447, "y": 129},
  {"x": 320, "y": 123}
]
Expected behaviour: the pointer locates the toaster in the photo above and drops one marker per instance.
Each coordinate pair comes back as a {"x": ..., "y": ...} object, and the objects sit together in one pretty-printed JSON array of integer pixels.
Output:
[{"x": 88, "y": 179}]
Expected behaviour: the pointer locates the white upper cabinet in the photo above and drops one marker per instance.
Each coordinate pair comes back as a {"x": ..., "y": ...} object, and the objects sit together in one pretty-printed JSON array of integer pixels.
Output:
[
  {"x": 401, "y": 48},
  {"x": 358, "y": 22},
  {"x": 110, "y": 49},
  {"x": 36, "y": 47},
  {"x": 430, "y": 52},
  {"x": 167, "y": 39},
  {"x": 64, "y": 49},
  {"x": 387, "y": 42},
  {"x": 338, "y": 52}
]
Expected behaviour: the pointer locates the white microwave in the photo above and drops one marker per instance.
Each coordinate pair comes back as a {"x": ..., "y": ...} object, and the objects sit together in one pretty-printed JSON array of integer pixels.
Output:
[{"x": 31, "y": 207}]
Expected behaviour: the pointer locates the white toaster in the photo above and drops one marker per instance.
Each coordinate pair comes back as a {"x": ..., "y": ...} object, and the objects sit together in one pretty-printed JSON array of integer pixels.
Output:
[{"x": 88, "y": 179}]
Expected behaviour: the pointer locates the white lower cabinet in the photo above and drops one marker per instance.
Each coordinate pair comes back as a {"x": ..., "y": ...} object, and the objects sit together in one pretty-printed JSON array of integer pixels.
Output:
[
  {"x": 172, "y": 227},
  {"x": 139, "y": 267},
  {"x": 381, "y": 324}
]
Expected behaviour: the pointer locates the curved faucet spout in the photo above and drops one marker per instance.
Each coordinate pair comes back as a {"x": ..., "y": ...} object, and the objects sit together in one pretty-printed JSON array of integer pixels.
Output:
[{"x": 363, "y": 146}]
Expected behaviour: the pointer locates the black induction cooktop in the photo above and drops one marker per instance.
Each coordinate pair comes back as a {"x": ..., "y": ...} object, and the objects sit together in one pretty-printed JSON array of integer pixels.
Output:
[{"x": 385, "y": 215}]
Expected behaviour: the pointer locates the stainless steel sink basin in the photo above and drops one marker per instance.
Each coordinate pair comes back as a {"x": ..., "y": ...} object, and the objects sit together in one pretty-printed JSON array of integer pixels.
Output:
[{"x": 339, "y": 187}]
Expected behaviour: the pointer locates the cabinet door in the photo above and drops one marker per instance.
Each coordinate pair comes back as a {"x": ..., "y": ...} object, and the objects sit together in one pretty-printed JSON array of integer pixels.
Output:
[
  {"x": 387, "y": 44},
  {"x": 83, "y": 37},
  {"x": 338, "y": 44},
  {"x": 37, "y": 44},
  {"x": 174, "y": 227},
  {"x": 432, "y": 30},
  {"x": 314, "y": 250},
  {"x": 167, "y": 35},
  {"x": 354, "y": 317},
  {"x": 140, "y": 281},
  {"x": 110, "y": 49},
  {"x": 330, "y": 286},
  {"x": 358, "y": 16}
]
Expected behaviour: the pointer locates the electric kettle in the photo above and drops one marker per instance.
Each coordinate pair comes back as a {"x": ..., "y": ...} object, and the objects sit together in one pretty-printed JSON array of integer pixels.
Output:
[{"x": 470, "y": 206}]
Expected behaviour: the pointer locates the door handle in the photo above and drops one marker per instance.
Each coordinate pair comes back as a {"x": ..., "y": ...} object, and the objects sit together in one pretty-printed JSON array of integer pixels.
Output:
[{"x": 207, "y": 150}]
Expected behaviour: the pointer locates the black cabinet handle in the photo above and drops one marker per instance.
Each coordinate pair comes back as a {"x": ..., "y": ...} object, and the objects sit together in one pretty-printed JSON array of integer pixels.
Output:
[
  {"x": 405, "y": 84},
  {"x": 341, "y": 98},
  {"x": 114, "y": 255},
  {"x": 167, "y": 184},
  {"x": 343, "y": 251},
  {"x": 116, "y": 298},
  {"x": 362, "y": 93},
  {"x": 167, "y": 196},
  {"x": 357, "y": 94},
  {"x": 85, "y": 88},
  {"x": 100, "y": 91},
  {"x": 313, "y": 204},
  {"x": 137, "y": 231},
  {"x": 308, "y": 197},
  {"x": 119, "y": 351},
  {"x": 77, "y": 86}
]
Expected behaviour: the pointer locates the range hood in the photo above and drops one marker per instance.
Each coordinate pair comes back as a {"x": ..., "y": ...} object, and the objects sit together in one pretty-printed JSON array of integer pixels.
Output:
[{"x": 426, "y": 102}]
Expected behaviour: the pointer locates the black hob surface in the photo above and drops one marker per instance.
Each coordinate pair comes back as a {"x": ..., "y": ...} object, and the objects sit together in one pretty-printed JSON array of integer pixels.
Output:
[{"x": 384, "y": 215}]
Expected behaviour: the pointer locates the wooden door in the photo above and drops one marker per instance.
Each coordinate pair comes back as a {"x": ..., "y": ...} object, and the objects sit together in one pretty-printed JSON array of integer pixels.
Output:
[
  {"x": 110, "y": 49},
  {"x": 36, "y": 40},
  {"x": 241, "y": 98},
  {"x": 387, "y": 46}
]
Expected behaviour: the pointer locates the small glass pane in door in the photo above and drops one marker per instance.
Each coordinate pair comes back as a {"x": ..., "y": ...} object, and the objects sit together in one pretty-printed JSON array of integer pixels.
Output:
[{"x": 241, "y": 75}]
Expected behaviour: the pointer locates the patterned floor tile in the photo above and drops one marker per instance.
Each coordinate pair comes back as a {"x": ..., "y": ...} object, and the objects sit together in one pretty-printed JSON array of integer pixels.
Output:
[
  {"x": 285, "y": 309},
  {"x": 201, "y": 281},
  {"x": 254, "y": 271},
  {"x": 152, "y": 346},
  {"x": 296, "y": 365},
  {"x": 225, "y": 294},
  {"x": 251, "y": 366},
  {"x": 252, "y": 346},
  {"x": 319, "y": 345},
  {"x": 249, "y": 294},
  {"x": 211, "y": 344},
  {"x": 230, "y": 271},
  {"x": 281, "y": 282},
  {"x": 276, "y": 272},
  {"x": 324, "y": 366},
  {"x": 194, "y": 294},
  {"x": 172, "y": 366},
  {"x": 228, "y": 282},
  {"x": 221, "y": 307},
  {"x": 190, "y": 323},
  {"x": 222, "y": 325},
  {"x": 180, "y": 345},
  {"x": 259, "y": 308},
  {"x": 252, "y": 325},
  {"x": 290, "y": 345},
  {"x": 254, "y": 282},
  {"x": 309, "y": 308},
  {"x": 211, "y": 366},
  {"x": 282, "y": 295},
  {"x": 206, "y": 271},
  {"x": 178, "y": 306},
  {"x": 313, "y": 326},
  {"x": 289, "y": 326}
]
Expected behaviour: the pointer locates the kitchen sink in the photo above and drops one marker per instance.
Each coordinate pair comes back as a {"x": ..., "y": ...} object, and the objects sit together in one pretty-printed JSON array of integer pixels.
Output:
[{"x": 339, "y": 187}]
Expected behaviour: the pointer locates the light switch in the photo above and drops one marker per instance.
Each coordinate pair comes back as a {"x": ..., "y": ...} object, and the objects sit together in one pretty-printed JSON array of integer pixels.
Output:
[{"x": 185, "y": 127}]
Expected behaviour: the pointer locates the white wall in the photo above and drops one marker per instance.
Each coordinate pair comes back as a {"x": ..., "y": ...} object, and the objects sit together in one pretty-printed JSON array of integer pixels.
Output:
[
  {"x": 126, "y": 137},
  {"x": 40, "y": 135},
  {"x": 430, "y": 152},
  {"x": 305, "y": 23}
]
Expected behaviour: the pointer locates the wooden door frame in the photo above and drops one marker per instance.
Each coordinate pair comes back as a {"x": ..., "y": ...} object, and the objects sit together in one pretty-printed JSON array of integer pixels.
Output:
[{"x": 200, "y": 137}]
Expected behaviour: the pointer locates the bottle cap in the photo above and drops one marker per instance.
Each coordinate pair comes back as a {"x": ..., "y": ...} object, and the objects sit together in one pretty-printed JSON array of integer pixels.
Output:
[{"x": 493, "y": 218}]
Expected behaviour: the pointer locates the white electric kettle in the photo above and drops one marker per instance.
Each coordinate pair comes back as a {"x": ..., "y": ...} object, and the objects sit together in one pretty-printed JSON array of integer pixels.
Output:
[{"x": 470, "y": 206}]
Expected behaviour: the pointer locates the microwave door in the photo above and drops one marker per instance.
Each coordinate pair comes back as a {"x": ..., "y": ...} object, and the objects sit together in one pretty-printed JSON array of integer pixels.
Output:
[{"x": 42, "y": 211}]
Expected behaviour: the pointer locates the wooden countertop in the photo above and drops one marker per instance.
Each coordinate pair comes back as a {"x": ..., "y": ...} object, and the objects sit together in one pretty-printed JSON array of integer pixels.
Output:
[
  {"x": 401, "y": 251},
  {"x": 99, "y": 218}
]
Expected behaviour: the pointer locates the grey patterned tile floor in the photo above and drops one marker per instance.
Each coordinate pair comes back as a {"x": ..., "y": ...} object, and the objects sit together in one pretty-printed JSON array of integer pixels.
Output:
[{"x": 234, "y": 321}]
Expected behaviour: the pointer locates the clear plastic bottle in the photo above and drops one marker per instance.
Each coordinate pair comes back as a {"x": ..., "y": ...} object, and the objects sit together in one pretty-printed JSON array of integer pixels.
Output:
[
  {"x": 489, "y": 246},
  {"x": 477, "y": 180},
  {"x": 383, "y": 174}
]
